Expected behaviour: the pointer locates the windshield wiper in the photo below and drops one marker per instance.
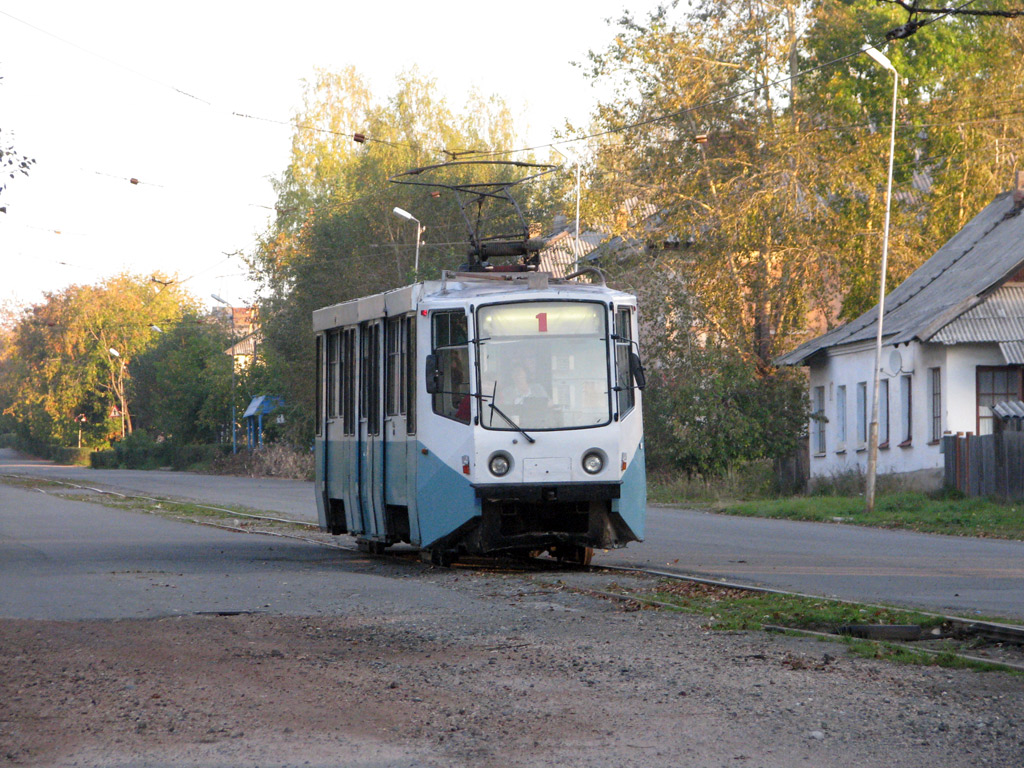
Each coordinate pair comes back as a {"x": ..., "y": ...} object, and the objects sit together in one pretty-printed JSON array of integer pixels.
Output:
[{"x": 505, "y": 416}]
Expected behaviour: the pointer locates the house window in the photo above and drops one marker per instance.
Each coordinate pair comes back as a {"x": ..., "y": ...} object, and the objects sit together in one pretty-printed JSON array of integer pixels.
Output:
[
  {"x": 883, "y": 413},
  {"x": 935, "y": 396},
  {"x": 818, "y": 420},
  {"x": 906, "y": 410},
  {"x": 995, "y": 385},
  {"x": 841, "y": 417},
  {"x": 862, "y": 413}
]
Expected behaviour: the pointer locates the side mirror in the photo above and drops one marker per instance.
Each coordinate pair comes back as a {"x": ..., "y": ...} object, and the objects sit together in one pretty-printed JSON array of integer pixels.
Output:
[
  {"x": 432, "y": 376},
  {"x": 636, "y": 370}
]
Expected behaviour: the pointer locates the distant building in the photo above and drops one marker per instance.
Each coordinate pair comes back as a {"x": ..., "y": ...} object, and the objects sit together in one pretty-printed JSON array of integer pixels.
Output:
[
  {"x": 245, "y": 328},
  {"x": 953, "y": 347}
]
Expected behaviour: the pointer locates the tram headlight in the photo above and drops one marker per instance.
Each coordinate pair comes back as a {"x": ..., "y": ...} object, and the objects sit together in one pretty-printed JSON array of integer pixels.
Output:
[
  {"x": 593, "y": 462},
  {"x": 500, "y": 464}
]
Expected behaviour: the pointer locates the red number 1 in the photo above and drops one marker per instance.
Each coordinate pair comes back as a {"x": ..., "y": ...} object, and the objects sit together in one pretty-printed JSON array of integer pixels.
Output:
[{"x": 542, "y": 322}]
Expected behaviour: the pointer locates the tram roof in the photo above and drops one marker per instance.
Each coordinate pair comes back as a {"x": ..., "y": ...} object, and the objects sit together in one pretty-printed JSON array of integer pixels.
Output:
[{"x": 460, "y": 289}]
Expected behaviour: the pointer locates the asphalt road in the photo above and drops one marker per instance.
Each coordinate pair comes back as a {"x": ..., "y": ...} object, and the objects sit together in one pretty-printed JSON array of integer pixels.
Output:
[{"x": 945, "y": 574}]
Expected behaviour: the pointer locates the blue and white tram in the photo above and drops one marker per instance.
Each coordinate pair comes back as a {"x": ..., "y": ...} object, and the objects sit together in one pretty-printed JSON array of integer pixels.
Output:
[{"x": 483, "y": 413}]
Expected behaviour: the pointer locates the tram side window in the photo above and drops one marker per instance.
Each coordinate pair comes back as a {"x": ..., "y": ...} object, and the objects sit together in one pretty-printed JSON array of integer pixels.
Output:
[
  {"x": 409, "y": 336},
  {"x": 348, "y": 381},
  {"x": 450, "y": 345},
  {"x": 623, "y": 346},
  {"x": 370, "y": 378},
  {"x": 394, "y": 372},
  {"x": 319, "y": 384},
  {"x": 333, "y": 372}
]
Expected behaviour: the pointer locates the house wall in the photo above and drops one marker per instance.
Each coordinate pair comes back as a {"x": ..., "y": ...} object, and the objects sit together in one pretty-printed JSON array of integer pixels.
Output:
[
  {"x": 920, "y": 456},
  {"x": 963, "y": 359}
]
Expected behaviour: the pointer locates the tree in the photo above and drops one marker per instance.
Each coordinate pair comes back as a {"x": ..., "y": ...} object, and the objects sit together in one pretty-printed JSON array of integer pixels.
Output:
[
  {"x": 741, "y": 154},
  {"x": 181, "y": 384},
  {"x": 773, "y": 178},
  {"x": 69, "y": 359},
  {"x": 336, "y": 238},
  {"x": 12, "y": 162}
]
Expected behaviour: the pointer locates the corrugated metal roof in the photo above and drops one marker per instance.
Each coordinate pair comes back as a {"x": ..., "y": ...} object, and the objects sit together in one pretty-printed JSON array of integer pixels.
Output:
[
  {"x": 983, "y": 254},
  {"x": 1011, "y": 409},
  {"x": 1000, "y": 317},
  {"x": 246, "y": 346},
  {"x": 1013, "y": 352}
]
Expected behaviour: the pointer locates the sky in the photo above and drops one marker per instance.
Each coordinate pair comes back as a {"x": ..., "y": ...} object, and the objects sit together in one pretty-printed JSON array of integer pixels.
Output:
[{"x": 105, "y": 92}]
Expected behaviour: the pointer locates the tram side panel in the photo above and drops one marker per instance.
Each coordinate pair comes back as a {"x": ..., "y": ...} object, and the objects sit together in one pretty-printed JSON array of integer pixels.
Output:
[
  {"x": 631, "y": 505},
  {"x": 445, "y": 498}
]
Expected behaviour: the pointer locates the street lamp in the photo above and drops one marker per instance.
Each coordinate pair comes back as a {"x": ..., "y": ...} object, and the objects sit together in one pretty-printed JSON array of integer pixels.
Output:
[
  {"x": 869, "y": 491},
  {"x": 419, "y": 231},
  {"x": 119, "y": 387},
  {"x": 234, "y": 405}
]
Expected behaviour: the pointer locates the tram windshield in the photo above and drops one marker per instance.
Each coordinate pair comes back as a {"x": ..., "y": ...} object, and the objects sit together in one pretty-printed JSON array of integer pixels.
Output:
[{"x": 544, "y": 365}]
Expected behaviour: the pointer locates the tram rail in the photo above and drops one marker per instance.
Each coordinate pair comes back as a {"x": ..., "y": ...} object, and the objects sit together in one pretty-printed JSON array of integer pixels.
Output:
[{"x": 964, "y": 627}]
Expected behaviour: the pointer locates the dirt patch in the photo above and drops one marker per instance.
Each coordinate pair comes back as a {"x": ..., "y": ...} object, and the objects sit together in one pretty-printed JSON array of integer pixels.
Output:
[{"x": 542, "y": 675}]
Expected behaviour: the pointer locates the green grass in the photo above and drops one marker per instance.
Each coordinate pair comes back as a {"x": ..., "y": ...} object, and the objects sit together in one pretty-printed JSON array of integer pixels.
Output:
[
  {"x": 979, "y": 517},
  {"x": 730, "y": 609},
  {"x": 737, "y": 609}
]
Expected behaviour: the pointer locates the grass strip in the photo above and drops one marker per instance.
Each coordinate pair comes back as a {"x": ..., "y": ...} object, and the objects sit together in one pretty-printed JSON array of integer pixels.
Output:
[
  {"x": 733, "y": 609},
  {"x": 978, "y": 517}
]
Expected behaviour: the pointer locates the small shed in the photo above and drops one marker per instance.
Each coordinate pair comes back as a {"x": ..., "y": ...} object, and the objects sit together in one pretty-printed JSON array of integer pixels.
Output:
[
  {"x": 259, "y": 406},
  {"x": 1009, "y": 416}
]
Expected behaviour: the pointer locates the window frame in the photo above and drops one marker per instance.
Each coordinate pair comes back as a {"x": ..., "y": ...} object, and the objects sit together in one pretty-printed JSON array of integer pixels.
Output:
[
  {"x": 906, "y": 410},
  {"x": 625, "y": 400},
  {"x": 819, "y": 421},
  {"x": 442, "y": 347},
  {"x": 935, "y": 403},
  {"x": 883, "y": 413},
  {"x": 862, "y": 415},
  {"x": 841, "y": 417}
]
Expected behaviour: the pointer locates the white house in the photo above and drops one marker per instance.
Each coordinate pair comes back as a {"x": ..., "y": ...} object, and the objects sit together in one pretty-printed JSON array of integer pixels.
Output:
[{"x": 953, "y": 346}]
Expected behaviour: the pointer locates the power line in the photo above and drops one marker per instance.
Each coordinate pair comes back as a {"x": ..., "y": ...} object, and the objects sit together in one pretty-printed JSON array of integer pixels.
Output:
[{"x": 117, "y": 64}]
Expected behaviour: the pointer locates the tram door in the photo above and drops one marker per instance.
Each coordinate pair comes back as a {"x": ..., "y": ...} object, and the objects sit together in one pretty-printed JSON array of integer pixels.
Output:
[
  {"x": 399, "y": 417},
  {"x": 371, "y": 447}
]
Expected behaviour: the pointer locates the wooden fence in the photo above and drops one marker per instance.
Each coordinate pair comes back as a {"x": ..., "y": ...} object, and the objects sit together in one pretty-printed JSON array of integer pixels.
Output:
[{"x": 986, "y": 465}]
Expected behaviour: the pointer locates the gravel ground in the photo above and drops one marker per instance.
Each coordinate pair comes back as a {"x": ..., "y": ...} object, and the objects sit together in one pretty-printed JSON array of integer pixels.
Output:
[{"x": 519, "y": 670}]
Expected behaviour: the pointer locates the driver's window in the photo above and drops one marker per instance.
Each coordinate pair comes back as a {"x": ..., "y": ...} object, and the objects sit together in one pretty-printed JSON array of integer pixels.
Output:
[{"x": 450, "y": 345}]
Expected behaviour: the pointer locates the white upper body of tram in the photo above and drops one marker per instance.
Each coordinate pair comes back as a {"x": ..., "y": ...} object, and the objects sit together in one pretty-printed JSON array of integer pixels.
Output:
[{"x": 482, "y": 413}]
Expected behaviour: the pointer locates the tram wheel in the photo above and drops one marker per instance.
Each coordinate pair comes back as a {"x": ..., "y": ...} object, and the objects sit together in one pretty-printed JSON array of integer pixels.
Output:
[
  {"x": 573, "y": 554},
  {"x": 443, "y": 558},
  {"x": 371, "y": 547}
]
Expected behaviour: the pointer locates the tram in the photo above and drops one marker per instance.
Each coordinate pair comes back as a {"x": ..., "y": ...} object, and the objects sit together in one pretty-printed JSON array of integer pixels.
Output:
[{"x": 485, "y": 413}]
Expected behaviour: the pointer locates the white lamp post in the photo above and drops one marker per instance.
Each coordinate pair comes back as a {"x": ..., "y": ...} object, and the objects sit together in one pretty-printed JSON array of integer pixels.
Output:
[
  {"x": 234, "y": 406},
  {"x": 419, "y": 231},
  {"x": 872, "y": 471},
  {"x": 119, "y": 386}
]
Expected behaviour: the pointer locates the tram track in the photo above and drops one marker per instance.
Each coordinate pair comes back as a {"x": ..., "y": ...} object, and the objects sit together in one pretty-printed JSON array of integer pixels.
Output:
[{"x": 963, "y": 627}]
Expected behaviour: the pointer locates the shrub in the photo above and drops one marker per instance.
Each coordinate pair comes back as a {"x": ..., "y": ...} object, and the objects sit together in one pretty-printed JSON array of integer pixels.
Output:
[
  {"x": 103, "y": 459},
  {"x": 75, "y": 456},
  {"x": 275, "y": 460}
]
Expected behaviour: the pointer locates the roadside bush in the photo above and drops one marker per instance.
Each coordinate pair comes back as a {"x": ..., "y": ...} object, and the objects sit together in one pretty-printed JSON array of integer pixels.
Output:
[
  {"x": 73, "y": 456},
  {"x": 275, "y": 460},
  {"x": 741, "y": 481},
  {"x": 103, "y": 459},
  {"x": 138, "y": 451},
  {"x": 8, "y": 440},
  {"x": 196, "y": 456}
]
